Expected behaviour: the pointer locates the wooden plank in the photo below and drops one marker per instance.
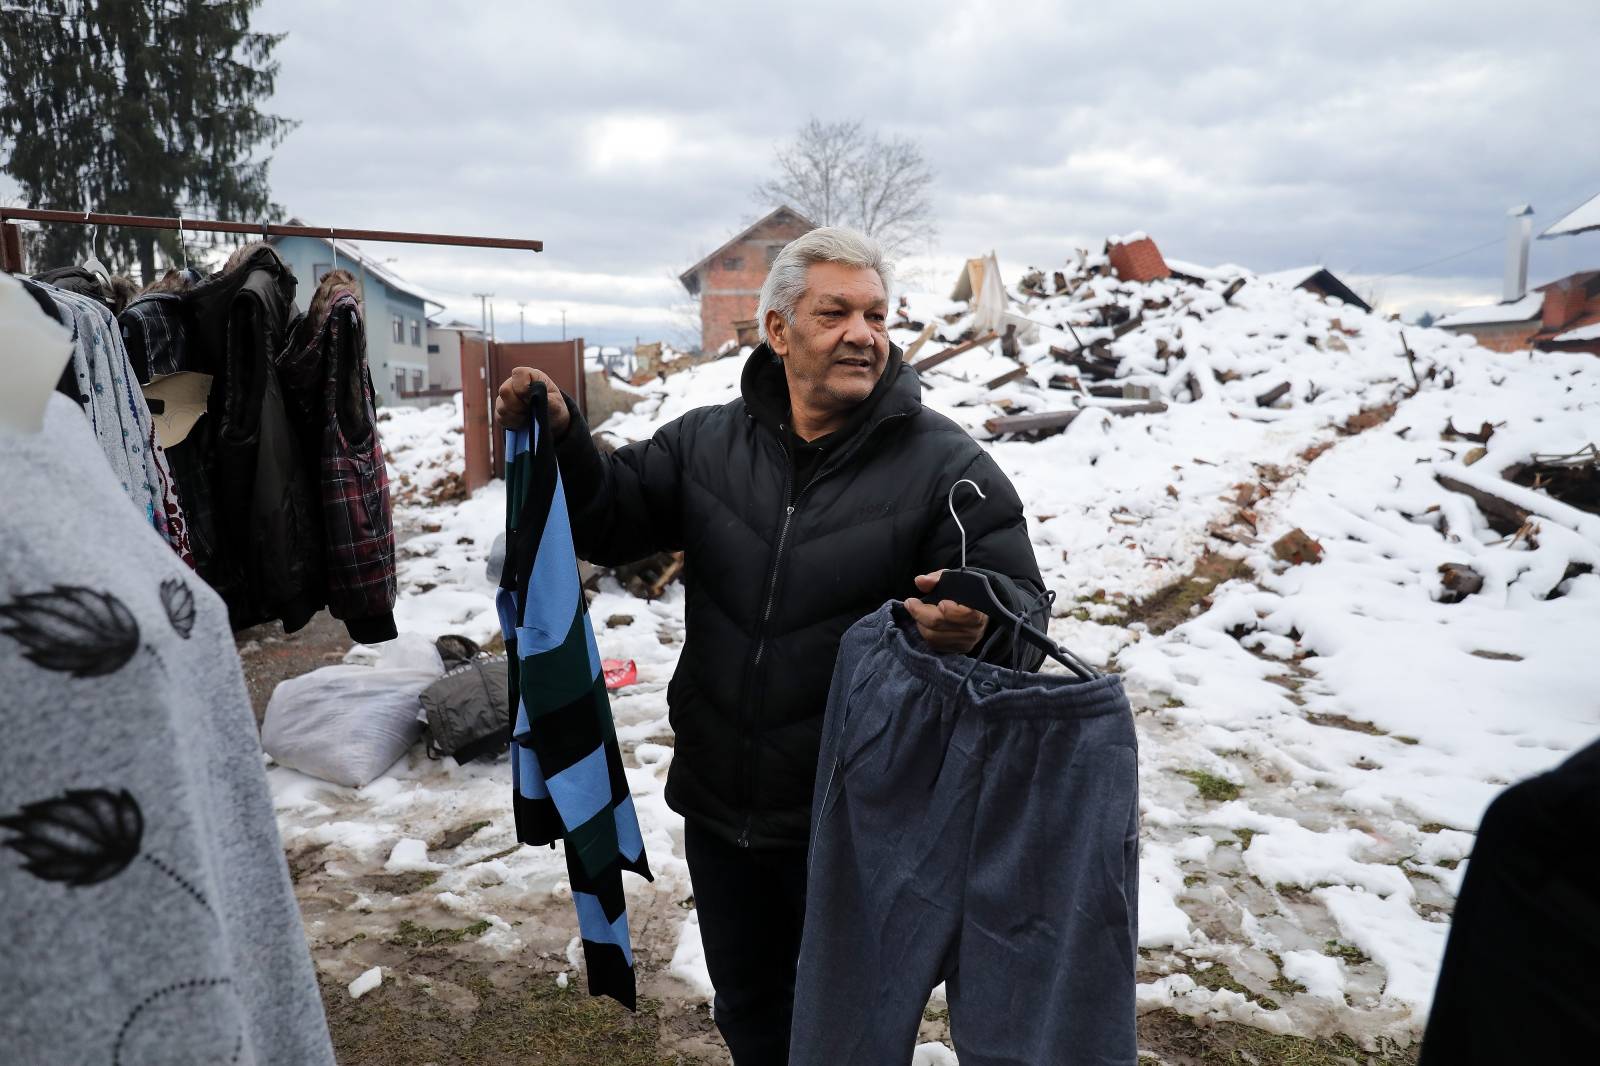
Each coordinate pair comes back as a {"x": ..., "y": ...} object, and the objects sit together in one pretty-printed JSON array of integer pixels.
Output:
[
  {"x": 1015, "y": 374},
  {"x": 916, "y": 346},
  {"x": 1504, "y": 517},
  {"x": 1273, "y": 395},
  {"x": 931, "y": 361},
  {"x": 1056, "y": 421},
  {"x": 1122, "y": 329}
]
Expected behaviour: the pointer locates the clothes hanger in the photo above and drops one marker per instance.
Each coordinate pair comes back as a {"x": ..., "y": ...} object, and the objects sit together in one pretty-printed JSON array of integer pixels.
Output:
[
  {"x": 93, "y": 264},
  {"x": 970, "y": 588}
]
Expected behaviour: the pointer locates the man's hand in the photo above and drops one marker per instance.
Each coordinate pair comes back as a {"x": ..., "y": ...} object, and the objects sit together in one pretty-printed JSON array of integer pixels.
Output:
[
  {"x": 516, "y": 393},
  {"x": 947, "y": 626}
]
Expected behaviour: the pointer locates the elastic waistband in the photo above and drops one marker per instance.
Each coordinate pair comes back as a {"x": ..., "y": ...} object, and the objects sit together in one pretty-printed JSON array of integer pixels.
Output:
[{"x": 992, "y": 690}]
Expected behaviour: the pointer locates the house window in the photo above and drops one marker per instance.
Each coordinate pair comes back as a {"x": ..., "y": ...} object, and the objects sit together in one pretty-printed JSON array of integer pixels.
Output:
[
  {"x": 772, "y": 254},
  {"x": 416, "y": 334},
  {"x": 416, "y": 381},
  {"x": 321, "y": 270},
  {"x": 399, "y": 382},
  {"x": 732, "y": 262},
  {"x": 433, "y": 349},
  {"x": 397, "y": 328}
]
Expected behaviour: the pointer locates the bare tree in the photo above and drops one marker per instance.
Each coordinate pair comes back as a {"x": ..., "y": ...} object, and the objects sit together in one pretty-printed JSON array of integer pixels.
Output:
[{"x": 837, "y": 174}]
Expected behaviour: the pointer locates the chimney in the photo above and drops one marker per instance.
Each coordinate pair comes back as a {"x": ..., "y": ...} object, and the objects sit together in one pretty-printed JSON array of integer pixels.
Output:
[
  {"x": 1518, "y": 237},
  {"x": 1563, "y": 302}
]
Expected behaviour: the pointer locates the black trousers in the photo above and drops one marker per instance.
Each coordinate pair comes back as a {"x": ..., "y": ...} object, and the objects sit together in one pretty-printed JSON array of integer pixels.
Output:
[
  {"x": 751, "y": 905},
  {"x": 1518, "y": 982}
]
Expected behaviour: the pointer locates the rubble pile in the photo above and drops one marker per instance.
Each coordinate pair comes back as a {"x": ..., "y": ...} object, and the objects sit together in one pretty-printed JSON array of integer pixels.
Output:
[{"x": 1190, "y": 335}]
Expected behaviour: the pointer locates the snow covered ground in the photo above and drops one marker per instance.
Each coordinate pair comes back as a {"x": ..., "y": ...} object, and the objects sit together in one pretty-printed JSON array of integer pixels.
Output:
[{"x": 1318, "y": 741}]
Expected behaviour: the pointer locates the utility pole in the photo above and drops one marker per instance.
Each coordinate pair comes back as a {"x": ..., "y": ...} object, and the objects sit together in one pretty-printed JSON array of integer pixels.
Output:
[
  {"x": 483, "y": 306},
  {"x": 522, "y": 330},
  {"x": 488, "y": 367}
]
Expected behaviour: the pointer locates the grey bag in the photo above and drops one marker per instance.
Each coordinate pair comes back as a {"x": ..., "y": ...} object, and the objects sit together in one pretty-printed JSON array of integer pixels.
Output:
[{"x": 468, "y": 713}]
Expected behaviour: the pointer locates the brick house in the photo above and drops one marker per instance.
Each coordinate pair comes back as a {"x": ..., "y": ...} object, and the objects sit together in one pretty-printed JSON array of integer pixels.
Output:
[
  {"x": 1561, "y": 316},
  {"x": 728, "y": 281}
]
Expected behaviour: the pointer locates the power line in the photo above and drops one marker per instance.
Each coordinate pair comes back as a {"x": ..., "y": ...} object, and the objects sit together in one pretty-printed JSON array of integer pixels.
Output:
[
  {"x": 1469, "y": 251},
  {"x": 1436, "y": 262}
]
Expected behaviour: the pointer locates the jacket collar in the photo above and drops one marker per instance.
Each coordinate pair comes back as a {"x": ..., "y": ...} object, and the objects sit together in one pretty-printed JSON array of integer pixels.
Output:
[{"x": 766, "y": 393}]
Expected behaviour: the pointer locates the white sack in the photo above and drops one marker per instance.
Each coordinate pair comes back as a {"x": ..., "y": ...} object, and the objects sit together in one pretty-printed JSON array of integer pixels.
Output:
[{"x": 348, "y": 724}]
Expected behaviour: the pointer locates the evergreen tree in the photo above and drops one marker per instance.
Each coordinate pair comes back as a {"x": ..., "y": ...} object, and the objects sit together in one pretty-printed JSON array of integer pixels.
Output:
[{"x": 144, "y": 107}]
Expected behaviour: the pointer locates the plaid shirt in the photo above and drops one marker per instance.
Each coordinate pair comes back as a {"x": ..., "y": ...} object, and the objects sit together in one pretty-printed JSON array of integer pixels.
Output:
[
  {"x": 323, "y": 363},
  {"x": 153, "y": 333}
]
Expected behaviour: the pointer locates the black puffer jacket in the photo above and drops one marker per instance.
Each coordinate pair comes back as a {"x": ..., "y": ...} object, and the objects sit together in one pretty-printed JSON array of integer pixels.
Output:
[{"x": 774, "y": 578}]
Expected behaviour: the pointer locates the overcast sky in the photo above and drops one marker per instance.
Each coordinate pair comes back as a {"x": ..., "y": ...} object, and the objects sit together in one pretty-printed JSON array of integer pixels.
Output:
[{"x": 1373, "y": 137}]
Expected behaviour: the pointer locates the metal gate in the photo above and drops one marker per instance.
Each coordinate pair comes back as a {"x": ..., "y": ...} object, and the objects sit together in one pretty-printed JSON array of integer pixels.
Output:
[{"x": 480, "y": 381}]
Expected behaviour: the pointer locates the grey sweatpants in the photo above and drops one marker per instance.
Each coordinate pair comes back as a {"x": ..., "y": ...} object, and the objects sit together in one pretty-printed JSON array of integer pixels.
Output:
[{"x": 973, "y": 825}]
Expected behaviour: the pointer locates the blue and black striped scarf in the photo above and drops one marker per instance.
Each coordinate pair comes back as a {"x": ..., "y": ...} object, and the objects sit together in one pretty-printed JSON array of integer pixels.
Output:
[{"x": 567, "y": 776}]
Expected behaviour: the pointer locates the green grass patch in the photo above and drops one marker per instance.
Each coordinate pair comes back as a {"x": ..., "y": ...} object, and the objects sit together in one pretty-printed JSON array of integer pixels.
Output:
[
  {"x": 454, "y": 838},
  {"x": 1213, "y": 788},
  {"x": 519, "y": 1018},
  {"x": 403, "y": 884},
  {"x": 1175, "y": 1038},
  {"x": 1218, "y": 977},
  {"x": 412, "y": 935},
  {"x": 1348, "y": 952}
]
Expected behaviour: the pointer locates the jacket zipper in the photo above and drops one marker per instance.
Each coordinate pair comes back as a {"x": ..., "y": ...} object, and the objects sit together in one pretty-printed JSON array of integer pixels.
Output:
[
  {"x": 761, "y": 648},
  {"x": 772, "y": 595}
]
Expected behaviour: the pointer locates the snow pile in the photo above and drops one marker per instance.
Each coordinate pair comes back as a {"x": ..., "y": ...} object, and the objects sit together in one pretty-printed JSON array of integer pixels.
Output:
[
  {"x": 366, "y": 982},
  {"x": 442, "y": 535}
]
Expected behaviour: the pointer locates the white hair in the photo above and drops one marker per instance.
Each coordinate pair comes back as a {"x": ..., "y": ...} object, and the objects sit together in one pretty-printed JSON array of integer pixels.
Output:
[{"x": 786, "y": 280}]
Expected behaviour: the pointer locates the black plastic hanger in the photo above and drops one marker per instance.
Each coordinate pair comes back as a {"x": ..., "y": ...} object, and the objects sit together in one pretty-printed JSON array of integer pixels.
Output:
[{"x": 970, "y": 588}]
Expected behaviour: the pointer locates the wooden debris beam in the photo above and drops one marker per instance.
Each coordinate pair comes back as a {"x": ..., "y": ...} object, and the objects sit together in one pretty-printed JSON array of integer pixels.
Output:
[
  {"x": 1015, "y": 374},
  {"x": 916, "y": 345},
  {"x": 1504, "y": 516},
  {"x": 928, "y": 362},
  {"x": 1273, "y": 395},
  {"x": 1050, "y": 422}
]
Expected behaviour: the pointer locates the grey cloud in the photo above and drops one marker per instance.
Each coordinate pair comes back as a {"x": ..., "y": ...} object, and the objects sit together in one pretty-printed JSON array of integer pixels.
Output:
[{"x": 1372, "y": 136}]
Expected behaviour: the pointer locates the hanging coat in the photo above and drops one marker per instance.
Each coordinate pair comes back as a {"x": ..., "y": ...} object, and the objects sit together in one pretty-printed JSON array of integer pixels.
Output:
[
  {"x": 329, "y": 394},
  {"x": 268, "y": 559}
]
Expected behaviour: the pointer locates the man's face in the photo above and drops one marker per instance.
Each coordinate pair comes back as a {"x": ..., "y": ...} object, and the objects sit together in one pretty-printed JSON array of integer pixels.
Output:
[{"x": 836, "y": 349}]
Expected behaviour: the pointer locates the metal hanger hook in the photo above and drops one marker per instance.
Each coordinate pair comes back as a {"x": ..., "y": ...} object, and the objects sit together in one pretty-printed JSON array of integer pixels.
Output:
[{"x": 951, "y": 500}]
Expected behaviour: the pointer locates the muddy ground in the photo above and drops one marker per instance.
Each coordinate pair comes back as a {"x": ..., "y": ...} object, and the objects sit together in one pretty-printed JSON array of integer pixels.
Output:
[
  {"x": 447, "y": 1000},
  {"x": 269, "y": 655}
]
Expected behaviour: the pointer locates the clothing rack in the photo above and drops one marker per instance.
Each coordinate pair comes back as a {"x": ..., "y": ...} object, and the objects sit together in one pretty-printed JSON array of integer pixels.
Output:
[{"x": 11, "y": 234}]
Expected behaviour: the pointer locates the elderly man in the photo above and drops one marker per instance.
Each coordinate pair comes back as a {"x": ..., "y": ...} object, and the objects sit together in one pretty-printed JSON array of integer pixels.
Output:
[{"x": 803, "y": 505}]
